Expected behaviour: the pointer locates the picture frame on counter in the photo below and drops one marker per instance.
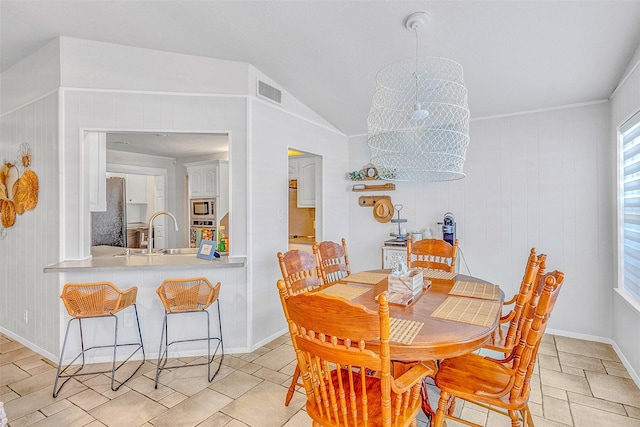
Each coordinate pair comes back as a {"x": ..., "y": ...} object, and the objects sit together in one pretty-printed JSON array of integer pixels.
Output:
[{"x": 207, "y": 250}]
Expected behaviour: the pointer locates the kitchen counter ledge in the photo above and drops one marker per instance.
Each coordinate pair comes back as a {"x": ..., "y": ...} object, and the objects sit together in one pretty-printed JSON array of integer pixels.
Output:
[{"x": 103, "y": 259}]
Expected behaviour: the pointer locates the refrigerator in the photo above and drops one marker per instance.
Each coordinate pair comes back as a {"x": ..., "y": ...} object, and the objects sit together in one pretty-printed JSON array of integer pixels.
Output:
[{"x": 109, "y": 228}]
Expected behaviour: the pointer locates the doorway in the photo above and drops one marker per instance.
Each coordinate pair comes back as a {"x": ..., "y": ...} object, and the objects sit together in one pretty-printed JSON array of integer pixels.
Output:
[{"x": 304, "y": 199}]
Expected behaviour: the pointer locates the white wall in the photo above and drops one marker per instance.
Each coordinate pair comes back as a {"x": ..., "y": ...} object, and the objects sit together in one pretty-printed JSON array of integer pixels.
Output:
[
  {"x": 32, "y": 243},
  {"x": 626, "y": 317},
  {"x": 533, "y": 180},
  {"x": 273, "y": 131}
]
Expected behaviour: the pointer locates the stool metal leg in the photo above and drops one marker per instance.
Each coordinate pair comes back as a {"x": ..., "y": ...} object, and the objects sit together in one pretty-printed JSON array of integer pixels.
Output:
[
  {"x": 163, "y": 351},
  {"x": 61, "y": 371}
]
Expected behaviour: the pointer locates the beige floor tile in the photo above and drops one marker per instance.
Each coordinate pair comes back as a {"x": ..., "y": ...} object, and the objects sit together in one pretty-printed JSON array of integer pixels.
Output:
[
  {"x": 30, "y": 362},
  {"x": 547, "y": 349},
  {"x": 216, "y": 420},
  {"x": 236, "y": 384},
  {"x": 265, "y": 398},
  {"x": 9, "y": 374},
  {"x": 273, "y": 376},
  {"x": 187, "y": 381},
  {"x": 548, "y": 362},
  {"x": 573, "y": 371},
  {"x": 474, "y": 416},
  {"x": 172, "y": 400},
  {"x": 192, "y": 411},
  {"x": 564, "y": 381},
  {"x": 586, "y": 348},
  {"x": 289, "y": 369},
  {"x": 536, "y": 409},
  {"x": 27, "y": 420},
  {"x": 548, "y": 339},
  {"x": 300, "y": 419},
  {"x": 584, "y": 416},
  {"x": 95, "y": 423},
  {"x": 556, "y": 410},
  {"x": 70, "y": 417},
  {"x": 235, "y": 423},
  {"x": 88, "y": 399},
  {"x": 250, "y": 368},
  {"x": 581, "y": 362},
  {"x": 596, "y": 403},
  {"x": 54, "y": 408},
  {"x": 146, "y": 386},
  {"x": 9, "y": 396},
  {"x": 622, "y": 373},
  {"x": 41, "y": 368},
  {"x": 8, "y": 346},
  {"x": 277, "y": 359},
  {"x": 632, "y": 411},
  {"x": 543, "y": 422},
  {"x": 39, "y": 399},
  {"x": 615, "y": 389},
  {"x": 129, "y": 409},
  {"x": 34, "y": 383},
  {"x": 233, "y": 362},
  {"x": 15, "y": 355},
  {"x": 497, "y": 420},
  {"x": 554, "y": 392}
]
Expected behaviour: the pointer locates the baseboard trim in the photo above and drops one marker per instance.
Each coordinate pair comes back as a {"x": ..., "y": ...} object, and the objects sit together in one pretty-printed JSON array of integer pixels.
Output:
[{"x": 29, "y": 345}]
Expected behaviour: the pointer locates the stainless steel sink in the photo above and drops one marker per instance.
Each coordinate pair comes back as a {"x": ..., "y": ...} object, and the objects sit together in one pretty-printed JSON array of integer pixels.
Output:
[{"x": 143, "y": 252}]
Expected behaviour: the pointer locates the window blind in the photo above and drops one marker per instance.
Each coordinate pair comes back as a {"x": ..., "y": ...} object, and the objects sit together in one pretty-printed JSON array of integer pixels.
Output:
[{"x": 629, "y": 182}]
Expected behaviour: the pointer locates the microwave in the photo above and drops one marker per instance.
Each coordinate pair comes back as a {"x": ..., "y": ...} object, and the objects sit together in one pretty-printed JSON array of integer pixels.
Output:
[{"x": 203, "y": 208}]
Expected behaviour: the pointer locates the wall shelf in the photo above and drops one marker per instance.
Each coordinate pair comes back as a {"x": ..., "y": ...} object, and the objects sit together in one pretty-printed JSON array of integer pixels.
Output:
[{"x": 382, "y": 187}]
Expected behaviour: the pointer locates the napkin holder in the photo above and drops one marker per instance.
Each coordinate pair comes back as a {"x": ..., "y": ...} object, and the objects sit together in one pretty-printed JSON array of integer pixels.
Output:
[{"x": 411, "y": 282}]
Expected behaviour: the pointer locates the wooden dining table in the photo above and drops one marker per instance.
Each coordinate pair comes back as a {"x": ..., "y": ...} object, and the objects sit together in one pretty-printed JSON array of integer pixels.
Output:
[{"x": 438, "y": 338}]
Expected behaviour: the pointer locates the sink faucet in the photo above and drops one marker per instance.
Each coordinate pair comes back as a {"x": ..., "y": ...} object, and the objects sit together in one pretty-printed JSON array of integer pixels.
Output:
[{"x": 151, "y": 233}]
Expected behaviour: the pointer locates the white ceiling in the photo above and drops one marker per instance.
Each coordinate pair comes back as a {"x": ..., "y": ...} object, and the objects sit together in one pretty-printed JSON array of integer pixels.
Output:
[
  {"x": 517, "y": 55},
  {"x": 171, "y": 145}
]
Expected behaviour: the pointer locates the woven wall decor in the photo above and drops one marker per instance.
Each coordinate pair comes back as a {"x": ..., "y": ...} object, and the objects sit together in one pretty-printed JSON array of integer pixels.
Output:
[{"x": 22, "y": 195}]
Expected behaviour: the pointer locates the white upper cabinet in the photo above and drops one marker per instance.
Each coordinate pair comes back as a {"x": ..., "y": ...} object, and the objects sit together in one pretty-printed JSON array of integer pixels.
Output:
[
  {"x": 136, "y": 189},
  {"x": 205, "y": 178}
]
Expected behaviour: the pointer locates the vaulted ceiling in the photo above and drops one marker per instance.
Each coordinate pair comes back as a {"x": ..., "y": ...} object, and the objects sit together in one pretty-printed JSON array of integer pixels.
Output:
[{"x": 517, "y": 55}]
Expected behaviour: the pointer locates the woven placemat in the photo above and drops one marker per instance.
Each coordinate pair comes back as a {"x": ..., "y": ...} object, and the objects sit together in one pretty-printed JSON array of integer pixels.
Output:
[
  {"x": 438, "y": 274},
  {"x": 476, "y": 290},
  {"x": 468, "y": 310},
  {"x": 347, "y": 292},
  {"x": 403, "y": 331},
  {"x": 365, "y": 277}
]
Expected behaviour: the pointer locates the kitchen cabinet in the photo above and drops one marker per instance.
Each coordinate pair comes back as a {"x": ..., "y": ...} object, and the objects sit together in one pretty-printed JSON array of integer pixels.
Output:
[
  {"x": 136, "y": 186},
  {"x": 136, "y": 189},
  {"x": 208, "y": 180},
  {"x": 393, "y": 255},
  {"x": 306, "y": 182},
  {"x": 96, "y": 158}
]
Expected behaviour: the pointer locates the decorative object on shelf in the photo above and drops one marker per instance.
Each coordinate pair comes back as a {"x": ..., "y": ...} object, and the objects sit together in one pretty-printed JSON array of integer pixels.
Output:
[
  {"x": 402, "y": 234},
  {"x": 383, "y": 210},
  {"x": 418, "y": 125},
  {"x": 368, "y": 172},
  {"x": 23, "y": 194},
  {"x": 389, "y": 186},
  {"x": 207, "y": 250}
]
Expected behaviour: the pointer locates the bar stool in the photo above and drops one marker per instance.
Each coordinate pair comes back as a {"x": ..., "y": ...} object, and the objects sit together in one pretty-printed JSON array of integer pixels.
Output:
[
  {"x": 94, "y": 300},
  {"x": 193, "y": 295}
]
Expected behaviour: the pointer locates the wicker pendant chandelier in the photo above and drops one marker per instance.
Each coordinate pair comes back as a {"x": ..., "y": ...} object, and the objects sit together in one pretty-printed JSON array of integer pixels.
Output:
[{"x": 418, "y": 125}]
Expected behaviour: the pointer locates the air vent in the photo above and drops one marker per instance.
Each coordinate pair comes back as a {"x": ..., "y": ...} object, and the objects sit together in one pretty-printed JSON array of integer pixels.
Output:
[{"x": 269, "y": 92}]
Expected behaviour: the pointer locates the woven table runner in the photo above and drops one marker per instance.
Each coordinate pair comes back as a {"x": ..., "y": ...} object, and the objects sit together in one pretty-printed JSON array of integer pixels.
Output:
[
  {"x": 476, "y": 290},
  {"x": 438, "y": 274},
  {"x": 403, "y": 331},
  {"x": 365, "y": 277},
  {"x": 345, "y": 291},
  {"x": 468, "y": 310}
]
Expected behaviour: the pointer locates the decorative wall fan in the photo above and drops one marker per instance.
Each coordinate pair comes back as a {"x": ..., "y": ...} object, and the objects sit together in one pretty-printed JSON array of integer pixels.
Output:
[{"x": 19, "y": 195}]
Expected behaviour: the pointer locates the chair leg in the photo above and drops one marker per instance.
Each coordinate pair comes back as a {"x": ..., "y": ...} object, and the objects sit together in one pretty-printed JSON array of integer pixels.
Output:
[
  {"x": 140, "y": 345},
  {"x": 443, "y": 403},
  {"x": 292, "y": 387},
  {"x": 219, "y": 346},
  {"x": 60, "y": 370},
  {"x": 164, "y": 336}
]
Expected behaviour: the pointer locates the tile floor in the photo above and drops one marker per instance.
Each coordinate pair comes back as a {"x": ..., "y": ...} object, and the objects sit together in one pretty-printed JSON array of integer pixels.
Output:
[{"x": 577, "y": 383}]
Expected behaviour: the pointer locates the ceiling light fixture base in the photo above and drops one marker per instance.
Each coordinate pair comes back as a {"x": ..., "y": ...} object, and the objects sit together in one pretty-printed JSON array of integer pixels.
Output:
[{"x": 416, "y": 20}]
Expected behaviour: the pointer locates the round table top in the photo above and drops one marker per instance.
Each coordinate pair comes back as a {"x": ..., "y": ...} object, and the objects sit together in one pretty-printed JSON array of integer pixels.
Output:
[{"x": 439, "y": 338}]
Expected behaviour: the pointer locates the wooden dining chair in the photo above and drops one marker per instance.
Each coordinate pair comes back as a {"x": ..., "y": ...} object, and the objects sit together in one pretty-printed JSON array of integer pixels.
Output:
[
  {"x": 500, "y": 385},
  {"x": 507, "y": 334},
  {"x": 299, "y": 272},
  {"x": 348, "y": 381},
  {"x": 435, "y": 254},
  {"x": 332, "y": 260}
]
